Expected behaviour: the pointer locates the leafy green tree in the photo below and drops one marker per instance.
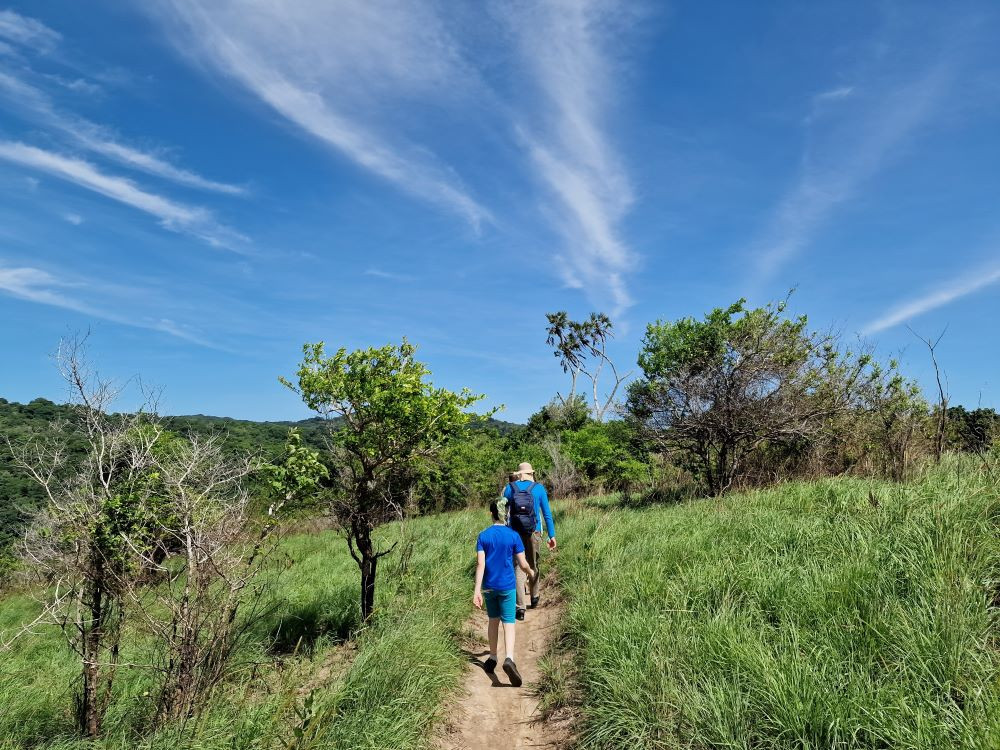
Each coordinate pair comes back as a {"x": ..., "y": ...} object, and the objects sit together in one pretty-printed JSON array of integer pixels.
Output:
[
  {"x": 606, "y": 455},
  {"x": 297, "y": 479},
  {"x": 716, "y": 390},
  {"x": 558, "y": 416},
  {"x": 391, "y": 419},
  {"x": 470, "y": 469}
]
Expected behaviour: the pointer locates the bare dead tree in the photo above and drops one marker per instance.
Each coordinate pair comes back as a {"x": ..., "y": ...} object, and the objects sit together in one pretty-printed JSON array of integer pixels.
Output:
[
  {"x": 942, "y": 406},
  {"x": 581, "y": 347},
  {"x": 563, "y": 476},
  {"x": 211, "y": 585},
  {"x": 74, "y": 544}
]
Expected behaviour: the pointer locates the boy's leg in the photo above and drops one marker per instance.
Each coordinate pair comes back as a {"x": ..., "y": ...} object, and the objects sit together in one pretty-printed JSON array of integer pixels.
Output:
[
  {"x": 508, "y": 639},
  {"x": 507, "y": 608},
  {"x": 494, "y": 634},
  {"x": 508, "y": 616}
]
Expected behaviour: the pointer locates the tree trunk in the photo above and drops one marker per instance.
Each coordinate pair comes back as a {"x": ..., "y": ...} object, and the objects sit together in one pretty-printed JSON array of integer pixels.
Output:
[
  {"x": 368, "y": 562},
  {"x": 90, "y": 716},
  {"x": 90, "y": 704},
  {"x": 368, "y": 567}
]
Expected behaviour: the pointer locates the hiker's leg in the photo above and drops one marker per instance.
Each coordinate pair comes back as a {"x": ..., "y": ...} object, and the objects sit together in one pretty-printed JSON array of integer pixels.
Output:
[
  {"x": 521, "y": 576},
  {"x": 494, "y": 633},
  {"x": 534, "y": 558}
]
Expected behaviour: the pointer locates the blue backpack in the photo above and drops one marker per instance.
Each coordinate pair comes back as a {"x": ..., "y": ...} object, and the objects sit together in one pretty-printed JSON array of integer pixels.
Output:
[{"x": 521, "y": 505}]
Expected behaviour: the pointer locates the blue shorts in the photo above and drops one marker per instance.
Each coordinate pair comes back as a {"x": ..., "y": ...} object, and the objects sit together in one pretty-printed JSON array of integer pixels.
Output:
[{"x": 501, "y": 604}]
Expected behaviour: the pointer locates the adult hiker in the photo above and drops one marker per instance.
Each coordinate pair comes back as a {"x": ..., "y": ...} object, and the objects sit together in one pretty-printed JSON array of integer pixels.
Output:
[
  {"x": 497, "y": 547},
  {"x": 527, "y": 504}
]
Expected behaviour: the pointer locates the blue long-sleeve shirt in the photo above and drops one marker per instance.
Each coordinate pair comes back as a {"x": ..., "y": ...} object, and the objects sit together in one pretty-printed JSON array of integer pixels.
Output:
[{"x": 542, "y": 509}]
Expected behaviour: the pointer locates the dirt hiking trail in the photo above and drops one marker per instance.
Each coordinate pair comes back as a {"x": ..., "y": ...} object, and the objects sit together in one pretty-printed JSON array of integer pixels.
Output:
[{"x": 490, "y": 713}]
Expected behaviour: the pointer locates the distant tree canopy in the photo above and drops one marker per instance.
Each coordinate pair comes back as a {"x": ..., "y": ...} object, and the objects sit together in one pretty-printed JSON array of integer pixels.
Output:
[{"x": 19, "y": 495}]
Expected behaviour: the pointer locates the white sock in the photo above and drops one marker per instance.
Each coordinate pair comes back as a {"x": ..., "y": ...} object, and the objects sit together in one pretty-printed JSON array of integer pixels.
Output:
[{"x": 493, "y": 657}]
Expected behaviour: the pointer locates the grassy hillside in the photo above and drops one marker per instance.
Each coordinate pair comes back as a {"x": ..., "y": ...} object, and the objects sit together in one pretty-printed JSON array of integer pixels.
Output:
[
  {"x": 835, "y": 614},
  {"x": 382, "y": 689}
]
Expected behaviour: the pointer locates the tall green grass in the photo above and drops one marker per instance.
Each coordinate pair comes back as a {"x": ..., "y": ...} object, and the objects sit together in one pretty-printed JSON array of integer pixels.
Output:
[
  {"x": 381, "y": 686},
  {"x": 835, "y": 614}
]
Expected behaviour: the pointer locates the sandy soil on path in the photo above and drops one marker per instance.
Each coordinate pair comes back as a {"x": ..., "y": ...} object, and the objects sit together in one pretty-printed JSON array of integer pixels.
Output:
[{"x": 491, "y": 714}]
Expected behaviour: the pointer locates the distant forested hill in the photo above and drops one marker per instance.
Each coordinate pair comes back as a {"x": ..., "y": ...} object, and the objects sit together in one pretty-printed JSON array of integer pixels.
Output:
[{"x": 18, "y": 494}]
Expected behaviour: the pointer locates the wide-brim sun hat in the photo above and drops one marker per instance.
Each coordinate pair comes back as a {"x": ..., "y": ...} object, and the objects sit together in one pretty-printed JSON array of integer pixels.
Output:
[{"x": 525, "y": 468}]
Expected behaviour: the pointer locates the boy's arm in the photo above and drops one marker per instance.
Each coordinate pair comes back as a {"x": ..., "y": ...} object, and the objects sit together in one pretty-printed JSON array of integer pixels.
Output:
[
  {"x": 522, "y": 563},
  {"x": 477, "y": 595}
]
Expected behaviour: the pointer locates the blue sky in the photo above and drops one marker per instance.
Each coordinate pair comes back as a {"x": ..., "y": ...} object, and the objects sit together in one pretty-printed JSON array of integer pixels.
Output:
[{"x": 207, "y": 184}]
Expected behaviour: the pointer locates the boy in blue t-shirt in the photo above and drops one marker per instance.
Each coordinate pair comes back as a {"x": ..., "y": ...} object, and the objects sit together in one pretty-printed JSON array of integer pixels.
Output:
[{"x": 496, "y": 549}]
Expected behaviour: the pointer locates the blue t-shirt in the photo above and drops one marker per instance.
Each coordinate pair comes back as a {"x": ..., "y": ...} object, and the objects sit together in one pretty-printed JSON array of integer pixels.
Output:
[
  {"x": 500, "y": 544},
  {"x": 542, "y": 509}
]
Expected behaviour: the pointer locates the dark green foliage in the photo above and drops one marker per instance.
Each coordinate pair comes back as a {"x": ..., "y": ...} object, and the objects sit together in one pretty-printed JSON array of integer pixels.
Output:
[
  {"x": 972, "y": 431},
  {"x": 20, "y": 495},
  {"x": 557, "y": 417}
]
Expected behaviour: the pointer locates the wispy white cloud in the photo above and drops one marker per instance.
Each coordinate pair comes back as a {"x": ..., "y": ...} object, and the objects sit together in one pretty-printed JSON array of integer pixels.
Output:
[
  {"x": 98, "y": 140},
  {"x": 946, "y": 293},
  {"x": 841, "y": 92},
  {"x": 36, "y": 285},
  {"x": 566, "y": 49},
  {"x": 332, "y": 69},
  {"x": 33, "y": 101},
  {"x": 27, "y": 32},
  {"x": 76, "y": 85},
  {"x": 175, "y": 216},
  {"x": 851, "y": 149},
  {"x": 41, "y": 287},
  {"x": 389, "y": 275},
  {"x": 74, "y": 219}
]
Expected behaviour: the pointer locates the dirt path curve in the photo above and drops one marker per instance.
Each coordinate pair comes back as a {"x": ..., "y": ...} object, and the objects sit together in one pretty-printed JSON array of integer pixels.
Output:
[{"x": 491, "y": 713}]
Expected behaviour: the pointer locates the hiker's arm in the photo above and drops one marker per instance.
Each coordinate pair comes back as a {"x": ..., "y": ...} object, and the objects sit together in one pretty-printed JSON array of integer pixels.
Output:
[
  {"x": 477, "y": 595},
  {"x": 550, "y": 525}
]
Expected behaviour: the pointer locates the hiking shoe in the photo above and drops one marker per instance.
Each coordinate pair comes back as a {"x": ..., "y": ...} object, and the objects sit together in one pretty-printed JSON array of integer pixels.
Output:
[
  {"x": 534, "y": 602},
  {"x": 490, "y": 665},
  {"x": 519, "y": 614},
  {"x": 511, "y": 669}
]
